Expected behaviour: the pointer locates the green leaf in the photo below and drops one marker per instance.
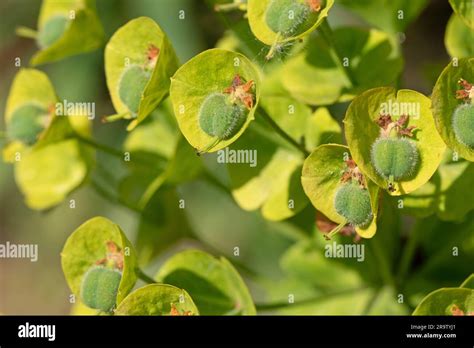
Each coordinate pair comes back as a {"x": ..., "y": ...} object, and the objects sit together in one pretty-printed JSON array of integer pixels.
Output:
[
  {"x": 321, "y": 178},
  {"x": 445, "y": 102},
  {"x": 48, "y": 174},
  {"x": 214, "y": 284},
  {"x": 83, "y": 33},
  {"x": 315, "y": 77},
  {"x": 157, "y": 299},
  {"x": 210, "y": 72},
  {"x": 87, "y": 245},
  {"x": 257, "y": 14},
  {"x": 444, "y": 301},
  {"x": 130, "y": 46},
  {"x": 459, "y": 38},
  {"x": 362, "y": 131},
  {"x": 464, "y": 9},
  {"x": 389, "y": 15}
]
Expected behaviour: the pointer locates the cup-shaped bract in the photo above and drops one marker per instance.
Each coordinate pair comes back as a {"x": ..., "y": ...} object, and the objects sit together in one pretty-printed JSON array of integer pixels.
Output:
[
  {"x": 322, "y": 180},
  {"x": 30, "y": 107},
  {"x": 139, "y": 61},
  {"x": 383, "y": 113},
  {"x": 67, "y": 28},
  {"x": 159, "y": 300},
  {"x": 88, "y": 246},
  {"x": 453, "y": 90},
  {"x": 214, "y": 98},
  {"x": 279, "y": 21},
  {"x": 215, "y": 276}
]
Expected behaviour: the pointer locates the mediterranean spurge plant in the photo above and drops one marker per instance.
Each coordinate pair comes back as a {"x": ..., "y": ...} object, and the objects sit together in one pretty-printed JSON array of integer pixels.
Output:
[{"x": 298, "y": 155}]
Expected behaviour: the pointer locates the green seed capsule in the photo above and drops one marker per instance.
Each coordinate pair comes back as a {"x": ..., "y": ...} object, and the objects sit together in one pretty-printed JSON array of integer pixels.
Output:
[
  {"x": 51, "y": 31},
  {"x": 220, "y": 118},
  {"x": 26, "y": 123},
  {"x": 131, "y": 86},
  {"x": 99, "y": 288},
  {"x": 394, "y": 158},
  {"x": 463, "y": 124},
  {"x": 286, "y": 16},
  {"x": 353, "y": 203}
]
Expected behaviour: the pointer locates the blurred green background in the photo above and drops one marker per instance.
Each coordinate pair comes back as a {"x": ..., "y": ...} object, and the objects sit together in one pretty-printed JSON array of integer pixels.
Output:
[{"x": 40, "y": 288}]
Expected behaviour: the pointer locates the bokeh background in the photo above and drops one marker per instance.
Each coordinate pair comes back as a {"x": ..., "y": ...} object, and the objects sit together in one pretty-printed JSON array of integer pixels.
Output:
[{"x": 40, "y": 288}]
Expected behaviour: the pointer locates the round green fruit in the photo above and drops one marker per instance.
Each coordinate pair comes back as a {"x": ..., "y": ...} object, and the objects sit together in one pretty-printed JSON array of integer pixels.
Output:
[
  {"x": 99, "y": 288},
  {"x": 51, "y": 31},
  {"x": 463, "y": 124},
  {"x": 394, "y": 158},
  {"x": 286, "y": 16},
  {"x": 220, "y": 118},
  {"x": 353, "y": 203},
  {"x": 131, "y": 86},
  {"x": 26, "y": 123}
]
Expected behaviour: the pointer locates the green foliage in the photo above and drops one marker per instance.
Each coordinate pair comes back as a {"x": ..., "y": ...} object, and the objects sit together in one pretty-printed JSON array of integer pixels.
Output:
[
  {"x": 287, "y": 16},
  {"x": 131, "y": 86},
  {"x": 463, "y": 8},
  {"x": 52, "y": 30},
  {"x": 458, "y": 38},
  {"x": 214, "y": 284},
  {"x": 315, "y": 77}
]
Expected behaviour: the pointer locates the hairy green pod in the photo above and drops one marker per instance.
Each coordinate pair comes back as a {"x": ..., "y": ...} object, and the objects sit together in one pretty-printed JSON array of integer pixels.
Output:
[
  {"x": 220, "y": 118},
  {"x": 353, "y": 203},
  {"x": 131, "y": 86},
  {"x": 52, "y": 30},
  {"x": 394, "y": 158},
  {"x": 99, "y": 288},
  {"x": 26, "y": 123},
  {"x": 286, "y": 16},
  {"x": 463, "y": 124}
]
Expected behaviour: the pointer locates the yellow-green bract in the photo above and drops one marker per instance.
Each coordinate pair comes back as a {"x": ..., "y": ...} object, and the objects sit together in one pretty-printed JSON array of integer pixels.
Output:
[
  {"x": 266, "y": 17},
  {"x": 67, "y": 28},
  {"x": 321, "y": 180},
  {"x": 211, "y": 72},
  {"x": 139, "y": 44},
  {"x": 87, "y": 245},
  {"x": 444, "y": 103},
  {"x": 362, "y": 131},
  {"x": 26, "y": 123}
]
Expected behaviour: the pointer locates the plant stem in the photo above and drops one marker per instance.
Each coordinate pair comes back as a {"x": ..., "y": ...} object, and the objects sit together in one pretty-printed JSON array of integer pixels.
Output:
[
  {"x": 142, "y": 276},
  {"x": 322, "y": 297},
  {"x": 384, "y": 267},
  {"x": 100, "y": 147},
  {"x": 282, "y": 133},
  {"x": 26, "y": 32},
  {"x": 328, "y": 36}
]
